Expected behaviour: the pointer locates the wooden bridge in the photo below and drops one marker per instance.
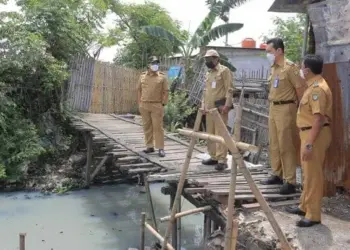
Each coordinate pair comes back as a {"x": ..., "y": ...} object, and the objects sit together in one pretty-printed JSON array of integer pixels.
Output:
[{"x": 114, "y": 153}]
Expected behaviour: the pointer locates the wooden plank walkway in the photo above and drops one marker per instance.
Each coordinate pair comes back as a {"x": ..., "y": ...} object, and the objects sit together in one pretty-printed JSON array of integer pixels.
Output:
[
  {"x": 123, "y": 139},
  {"x": 129, "y": 134}
]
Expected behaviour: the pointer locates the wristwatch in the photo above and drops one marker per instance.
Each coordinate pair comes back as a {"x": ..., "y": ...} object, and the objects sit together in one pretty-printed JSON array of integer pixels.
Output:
[{"x": 308, "y": 147}]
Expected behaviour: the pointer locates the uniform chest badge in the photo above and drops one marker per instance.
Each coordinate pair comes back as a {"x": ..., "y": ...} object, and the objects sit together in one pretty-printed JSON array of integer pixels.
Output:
[{"x": 315, "y": 97}]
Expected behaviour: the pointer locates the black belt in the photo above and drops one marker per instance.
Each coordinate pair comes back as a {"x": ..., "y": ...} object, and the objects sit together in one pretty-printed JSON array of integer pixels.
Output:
[
  {"x": 282, "y": 102},
  {"x": 307, "y": 128}
]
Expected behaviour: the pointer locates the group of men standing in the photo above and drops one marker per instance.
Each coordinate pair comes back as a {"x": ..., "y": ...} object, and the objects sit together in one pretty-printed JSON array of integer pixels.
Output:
[{"x": 300, "y": 103}]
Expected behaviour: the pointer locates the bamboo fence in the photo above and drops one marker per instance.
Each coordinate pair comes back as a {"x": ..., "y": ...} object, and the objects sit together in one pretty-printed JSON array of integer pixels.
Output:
[{"x": 100, "y": 87}]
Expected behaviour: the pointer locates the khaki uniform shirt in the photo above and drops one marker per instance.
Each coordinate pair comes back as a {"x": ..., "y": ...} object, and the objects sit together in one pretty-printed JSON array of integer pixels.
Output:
[
  {"x": 218, "y": 85},
  {"x": 153, "y": 87},
  {"x": 317, "y": 99},
  {"x": 283, "y": 81}
]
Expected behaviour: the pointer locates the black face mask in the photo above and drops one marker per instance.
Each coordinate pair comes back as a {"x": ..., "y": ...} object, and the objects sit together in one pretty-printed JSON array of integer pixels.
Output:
[{"x": 210, "y": 65}]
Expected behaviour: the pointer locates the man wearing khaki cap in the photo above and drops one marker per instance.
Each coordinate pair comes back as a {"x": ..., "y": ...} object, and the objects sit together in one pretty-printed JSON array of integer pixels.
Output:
[{"x": 218, "y": 94}]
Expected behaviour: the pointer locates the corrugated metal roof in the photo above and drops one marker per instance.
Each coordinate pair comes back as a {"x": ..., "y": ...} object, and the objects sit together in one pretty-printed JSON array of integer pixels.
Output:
[{"x": 288, "y": 6}]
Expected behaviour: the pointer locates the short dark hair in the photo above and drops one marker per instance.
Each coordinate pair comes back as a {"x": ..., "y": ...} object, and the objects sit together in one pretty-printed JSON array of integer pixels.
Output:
[
  {"x": 314, "y": 63},
  {"x": 277, "y": 43}
]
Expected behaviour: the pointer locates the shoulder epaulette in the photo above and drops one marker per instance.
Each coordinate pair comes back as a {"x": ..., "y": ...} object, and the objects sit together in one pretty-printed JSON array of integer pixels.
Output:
[{"x": 162, "y": 73}]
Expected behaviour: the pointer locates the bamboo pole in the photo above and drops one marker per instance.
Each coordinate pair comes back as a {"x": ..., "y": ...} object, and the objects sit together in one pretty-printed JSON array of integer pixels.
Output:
[
  {"x": 231, "y": 232},
  {"x": 205, "y": 136},
  {"x": 255, "y": 190},
  {"x": 158, "y": 236},
  {"x": 188, "y": 212},
  {"x": 22, "y": 243},
  {"x": 150, "y": 202},
  {"x": 143, "y": 220},
  {"x": 182, "y": 179}
]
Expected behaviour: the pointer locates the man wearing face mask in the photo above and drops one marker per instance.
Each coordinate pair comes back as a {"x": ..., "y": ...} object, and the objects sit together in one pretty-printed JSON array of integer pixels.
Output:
[
  {"x": 313, "y": 120},
  {"x": 285, "y": 89},
  {"x": 152, "y": 96},
  {"x": 218, "y": 94}
]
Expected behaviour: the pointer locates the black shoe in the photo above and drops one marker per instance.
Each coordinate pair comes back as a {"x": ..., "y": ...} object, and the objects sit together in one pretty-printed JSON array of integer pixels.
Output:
[
  {"x": 295, "y": 210},
  {"x": 221, "y": 166},
  {"x": 287, "y": 188},
  {"x": 148, "y": 150},
  {"x": 161, "y": 153},
  {"x": 209, "y": 162},
  {"x": 307, "y": 223},
  {"x": 272, "y": 180}
]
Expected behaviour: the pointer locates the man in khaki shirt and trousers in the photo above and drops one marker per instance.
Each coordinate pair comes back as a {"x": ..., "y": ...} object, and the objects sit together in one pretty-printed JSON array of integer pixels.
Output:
[
  {"x": 218, "y": 94},
  {"x": 152, "y": 96},
  {"x": 286, "y": 88},
  {"x": 313, "y": 120}
]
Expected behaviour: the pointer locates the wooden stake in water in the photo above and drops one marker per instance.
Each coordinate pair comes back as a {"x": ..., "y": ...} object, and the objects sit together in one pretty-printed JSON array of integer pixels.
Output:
[
  {"x": 143, "y": 220},
  {"x": 22, "y": 243}
]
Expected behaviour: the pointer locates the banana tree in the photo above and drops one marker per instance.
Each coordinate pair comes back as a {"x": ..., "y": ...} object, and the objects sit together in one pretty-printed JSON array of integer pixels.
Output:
[
  {"x": 204, "y": 34},
  {"x": 225, "y": 6}
]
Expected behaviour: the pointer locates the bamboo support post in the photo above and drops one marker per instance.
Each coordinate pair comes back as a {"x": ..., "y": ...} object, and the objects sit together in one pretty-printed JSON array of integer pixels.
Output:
[
  {"x": 158, "y": 236},
  {"x": 204, "y": 136},
  {"x": 89, "y": 159},
  {"x": 182, "y": 179},
  {"x": 22, "y": 243},
  {"x": 188, "y": 212},
  {"x": 142, "y": 241},
  {"x": 98, "y": 168},
  {"x": 231, "y": 232},
  {"x": 150, "y": 203},
  {"x": 207, "y": 227},
  {"x": 174, "y": 224},
  {"x": 178, "y": 225},
  {"x": 255, "y": 190}
]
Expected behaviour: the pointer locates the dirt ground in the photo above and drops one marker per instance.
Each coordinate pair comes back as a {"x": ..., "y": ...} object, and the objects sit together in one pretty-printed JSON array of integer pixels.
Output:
[{"x": 332, "y": 234}]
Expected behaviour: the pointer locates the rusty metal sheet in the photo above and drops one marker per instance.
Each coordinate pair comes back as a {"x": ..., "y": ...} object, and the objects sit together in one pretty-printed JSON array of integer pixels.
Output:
[{"x": 337, "y": 163}]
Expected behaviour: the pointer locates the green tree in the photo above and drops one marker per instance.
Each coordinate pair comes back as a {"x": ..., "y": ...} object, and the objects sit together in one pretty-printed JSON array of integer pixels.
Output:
[
  {"x": 138, "y": 46},
  {"x": 37, "y": 47},
  {"x": 291, "y": 31},
  {"x": 204, "y": 34}
]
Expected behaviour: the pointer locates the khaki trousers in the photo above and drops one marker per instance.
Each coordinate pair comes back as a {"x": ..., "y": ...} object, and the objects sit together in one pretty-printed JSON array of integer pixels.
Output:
[
  {"x": 217, "y": 151},
  {"x": 282, "y": 140},
  {"x": 311, "y": 197},
  {"x": 152, "y": 118}
]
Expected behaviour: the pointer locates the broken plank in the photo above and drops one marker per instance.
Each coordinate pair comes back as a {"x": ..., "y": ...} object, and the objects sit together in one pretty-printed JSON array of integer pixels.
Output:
[
  {"x": 143, "y": 170},
  {"x": 251, "y": 196},
  {"x": 136, "y": 165},
  {"x": 253, "y": 206}
]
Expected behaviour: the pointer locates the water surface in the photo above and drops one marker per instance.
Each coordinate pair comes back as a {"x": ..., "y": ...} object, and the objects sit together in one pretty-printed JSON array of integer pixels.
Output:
[{"x": 101, "y": 218}]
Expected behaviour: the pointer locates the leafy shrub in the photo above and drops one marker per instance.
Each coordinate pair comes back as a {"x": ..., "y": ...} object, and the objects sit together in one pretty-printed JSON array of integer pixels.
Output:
[
  {"x": 177, "y": 110},
  {"x": 19, "y": 140}
]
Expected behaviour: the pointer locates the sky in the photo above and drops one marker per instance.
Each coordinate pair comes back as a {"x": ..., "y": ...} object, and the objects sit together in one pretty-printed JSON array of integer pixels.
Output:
[{"x": 253, "y": 14}]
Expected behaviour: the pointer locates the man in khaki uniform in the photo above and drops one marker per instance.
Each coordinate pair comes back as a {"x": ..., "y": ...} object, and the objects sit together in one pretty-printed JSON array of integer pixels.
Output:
[
  {"x": 218, "y": 94},
  {"x": 152, "y": 96},
  {"x": 313, "y": 120},
  {"x": 286, "y": 88}
]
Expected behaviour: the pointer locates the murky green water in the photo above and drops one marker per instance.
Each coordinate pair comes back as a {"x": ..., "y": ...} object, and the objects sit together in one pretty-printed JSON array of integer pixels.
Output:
[{"x": 102, "y": 218}]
